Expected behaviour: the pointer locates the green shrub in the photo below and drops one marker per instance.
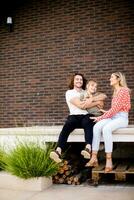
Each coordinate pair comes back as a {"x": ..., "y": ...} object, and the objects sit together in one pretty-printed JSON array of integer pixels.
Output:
[
  {"x": 2, "y": 154},
  {"x": 30, "y": 159}
]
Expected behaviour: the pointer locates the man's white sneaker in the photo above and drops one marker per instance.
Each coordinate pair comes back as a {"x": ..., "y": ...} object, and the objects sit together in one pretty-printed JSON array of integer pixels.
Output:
[
  {"x": 86, "y": 153},
  {"x": 55, "y": 156}
]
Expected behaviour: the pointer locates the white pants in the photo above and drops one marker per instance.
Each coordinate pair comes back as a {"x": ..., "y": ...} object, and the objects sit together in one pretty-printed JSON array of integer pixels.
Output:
[{"x": 106, "y": 127}]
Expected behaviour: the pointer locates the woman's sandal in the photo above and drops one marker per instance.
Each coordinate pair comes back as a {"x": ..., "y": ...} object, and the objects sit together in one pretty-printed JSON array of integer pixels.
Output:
[
  {"x": 110, "y": 168},
  {"x": 93, "y": 162},
  {"x": 55, "y": 156},
  {"x": 86, "y": 153}
]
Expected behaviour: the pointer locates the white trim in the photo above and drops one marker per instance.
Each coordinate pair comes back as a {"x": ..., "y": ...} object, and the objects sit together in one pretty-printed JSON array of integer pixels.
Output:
[{"x": 51, "y": 133}]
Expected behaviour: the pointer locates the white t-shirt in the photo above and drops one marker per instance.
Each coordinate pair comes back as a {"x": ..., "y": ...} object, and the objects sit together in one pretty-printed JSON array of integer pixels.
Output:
[{"x": 74, "y": 110}]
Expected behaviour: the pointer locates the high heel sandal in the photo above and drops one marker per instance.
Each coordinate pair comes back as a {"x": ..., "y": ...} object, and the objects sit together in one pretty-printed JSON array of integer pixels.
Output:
[
  {"x": 93, "y": 162},
  {"x": 109, "y": 168}
]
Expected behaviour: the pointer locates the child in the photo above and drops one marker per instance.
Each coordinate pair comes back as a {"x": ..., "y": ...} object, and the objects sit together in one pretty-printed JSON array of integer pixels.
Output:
[{"x": 91, "y": 92}]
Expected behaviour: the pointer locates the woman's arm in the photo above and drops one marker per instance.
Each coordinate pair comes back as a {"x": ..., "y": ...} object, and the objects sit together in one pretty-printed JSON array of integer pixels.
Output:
[{"x": 122, "y": 99}]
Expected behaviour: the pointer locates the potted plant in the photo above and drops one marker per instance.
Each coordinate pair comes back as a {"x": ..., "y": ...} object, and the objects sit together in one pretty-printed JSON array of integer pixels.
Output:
[{"x": 28, "y": 166}]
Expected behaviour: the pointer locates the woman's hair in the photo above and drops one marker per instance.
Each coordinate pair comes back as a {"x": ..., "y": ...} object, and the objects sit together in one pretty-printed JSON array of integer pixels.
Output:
[
  {"x": 122, "y": 79},
  {"x": 71, "y": 81}
]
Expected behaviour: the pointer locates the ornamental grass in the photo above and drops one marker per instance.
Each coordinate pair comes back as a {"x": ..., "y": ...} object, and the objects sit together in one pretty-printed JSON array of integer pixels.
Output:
[
  {"x": 2, "y": 155},
  {"x": 30, "y": 159}
]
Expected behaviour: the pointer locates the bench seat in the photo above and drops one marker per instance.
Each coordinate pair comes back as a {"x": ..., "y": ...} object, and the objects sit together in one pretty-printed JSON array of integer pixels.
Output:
[{"x": 51, "y": 133}]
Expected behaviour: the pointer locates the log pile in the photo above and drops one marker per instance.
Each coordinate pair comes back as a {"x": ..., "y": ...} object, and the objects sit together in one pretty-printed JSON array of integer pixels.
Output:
[{"x": 71, "y": 172}]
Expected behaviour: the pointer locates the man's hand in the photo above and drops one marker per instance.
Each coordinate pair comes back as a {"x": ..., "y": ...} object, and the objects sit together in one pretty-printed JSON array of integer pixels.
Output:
[
  {"x": 86, "y": 103},
  {"x": 100, "y": 104},
  {"x": 89, "y": 103},
  {"x": 100, "y": 97},
  {"x": 81, "y": 104}
]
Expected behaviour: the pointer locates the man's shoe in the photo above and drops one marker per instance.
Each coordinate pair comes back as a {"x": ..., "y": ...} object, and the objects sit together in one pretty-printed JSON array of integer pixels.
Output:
[
  {"x": 86, "y": 153},
  {"x": 55, "y": 156}
]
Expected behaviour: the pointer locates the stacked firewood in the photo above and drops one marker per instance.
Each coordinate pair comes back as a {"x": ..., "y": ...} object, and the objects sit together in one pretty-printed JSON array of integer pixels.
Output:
[{"x": 71, "y": 173}]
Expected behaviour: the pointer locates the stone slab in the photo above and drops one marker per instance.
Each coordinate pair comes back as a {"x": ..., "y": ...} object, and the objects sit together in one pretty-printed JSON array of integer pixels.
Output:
[{"x": 8, "y": 181}]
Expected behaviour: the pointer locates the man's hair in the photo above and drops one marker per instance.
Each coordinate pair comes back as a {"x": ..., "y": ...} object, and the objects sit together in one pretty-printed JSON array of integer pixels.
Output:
[{"x": 71, "y": 81}]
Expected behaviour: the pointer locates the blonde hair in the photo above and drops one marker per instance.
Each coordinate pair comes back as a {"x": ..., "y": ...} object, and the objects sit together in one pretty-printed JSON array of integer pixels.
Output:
[
  {"x": 89, "y": 82},
  {"x": 122, "y": 79}
]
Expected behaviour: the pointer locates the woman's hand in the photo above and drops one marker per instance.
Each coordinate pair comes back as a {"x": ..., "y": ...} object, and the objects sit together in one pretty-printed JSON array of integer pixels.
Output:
[
  {"x": 94, "y": 119},
  {"x": 103, "y": 111}
]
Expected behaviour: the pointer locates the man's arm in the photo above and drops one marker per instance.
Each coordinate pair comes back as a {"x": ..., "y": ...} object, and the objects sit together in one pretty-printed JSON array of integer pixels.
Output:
[
  {"x": 88, "y": 103},
  {"x": 99, "y": 97},
  {"x": 80, "y": 104}
]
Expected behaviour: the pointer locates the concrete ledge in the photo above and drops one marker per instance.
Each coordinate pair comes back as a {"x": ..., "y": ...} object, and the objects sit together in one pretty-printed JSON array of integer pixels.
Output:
[
  {"x": 8, "y": 181},
  {"x": 51, "y": 133}
]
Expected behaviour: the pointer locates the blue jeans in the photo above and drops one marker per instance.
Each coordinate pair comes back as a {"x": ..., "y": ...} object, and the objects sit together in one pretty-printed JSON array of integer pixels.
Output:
[{"x": 106, "y": 127}]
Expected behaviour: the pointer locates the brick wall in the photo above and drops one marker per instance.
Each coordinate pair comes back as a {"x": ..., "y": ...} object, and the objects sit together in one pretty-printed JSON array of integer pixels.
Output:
[{"x": 52, "y": 39}]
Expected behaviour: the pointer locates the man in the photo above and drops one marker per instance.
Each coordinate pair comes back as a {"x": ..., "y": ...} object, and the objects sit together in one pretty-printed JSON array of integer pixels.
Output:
[{"x": 78, "y": 117}]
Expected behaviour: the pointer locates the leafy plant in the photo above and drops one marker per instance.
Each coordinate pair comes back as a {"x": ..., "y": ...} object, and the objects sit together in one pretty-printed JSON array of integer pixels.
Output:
[
  {"x": 2, "y": 154},
  {"x": 30, "y": 159}
]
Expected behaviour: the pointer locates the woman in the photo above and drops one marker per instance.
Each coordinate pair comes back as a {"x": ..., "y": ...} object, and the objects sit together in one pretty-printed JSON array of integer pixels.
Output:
[{"x": 116, "y": 117}]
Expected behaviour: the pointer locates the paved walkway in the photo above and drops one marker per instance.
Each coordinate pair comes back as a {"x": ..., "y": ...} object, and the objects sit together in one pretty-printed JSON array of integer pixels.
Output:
[{"x": 67, "y": 192}]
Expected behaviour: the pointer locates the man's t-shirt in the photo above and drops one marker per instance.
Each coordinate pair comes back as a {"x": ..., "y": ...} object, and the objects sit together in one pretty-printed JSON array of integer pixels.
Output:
[{"x": 74, "y": 110}]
